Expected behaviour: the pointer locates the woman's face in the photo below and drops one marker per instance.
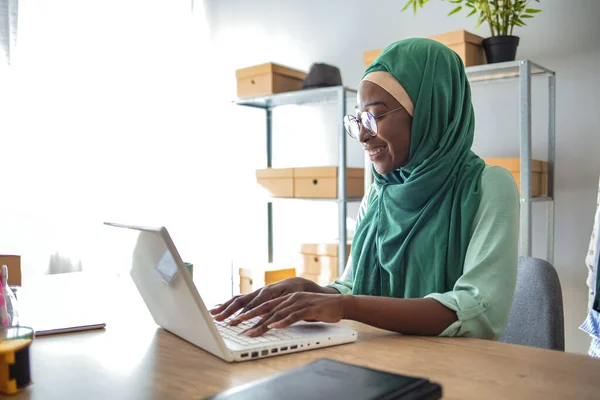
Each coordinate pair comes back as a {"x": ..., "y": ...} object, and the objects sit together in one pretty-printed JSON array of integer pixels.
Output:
[{"x": 388, "y": 150}]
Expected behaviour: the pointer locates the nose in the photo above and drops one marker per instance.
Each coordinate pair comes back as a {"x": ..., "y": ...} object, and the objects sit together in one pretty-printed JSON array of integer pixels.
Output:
[{"x": 363, "y": 134}]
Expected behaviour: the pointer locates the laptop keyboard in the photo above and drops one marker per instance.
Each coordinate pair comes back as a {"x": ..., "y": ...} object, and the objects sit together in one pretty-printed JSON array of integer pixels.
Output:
[{"x": 233, "y": 333}]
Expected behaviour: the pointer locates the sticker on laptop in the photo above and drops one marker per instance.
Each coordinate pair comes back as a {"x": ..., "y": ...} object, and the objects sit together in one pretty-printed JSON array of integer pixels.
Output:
[{"x": 167, "y": 267}]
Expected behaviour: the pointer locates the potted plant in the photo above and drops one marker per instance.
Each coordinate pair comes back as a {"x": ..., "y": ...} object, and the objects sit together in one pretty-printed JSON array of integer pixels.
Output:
[{"x": 501, "y": 16}]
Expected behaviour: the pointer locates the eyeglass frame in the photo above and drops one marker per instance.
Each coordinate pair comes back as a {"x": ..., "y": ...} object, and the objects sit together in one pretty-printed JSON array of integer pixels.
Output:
[{"x": 375, "y": 118}]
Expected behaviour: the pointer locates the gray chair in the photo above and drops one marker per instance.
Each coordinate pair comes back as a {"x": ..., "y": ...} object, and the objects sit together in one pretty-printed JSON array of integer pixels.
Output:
[{"x": 536, "y": 318}]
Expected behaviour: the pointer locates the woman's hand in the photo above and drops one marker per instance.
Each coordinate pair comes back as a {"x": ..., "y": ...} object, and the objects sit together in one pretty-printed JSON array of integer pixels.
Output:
[
  {"x": 270, "y": 292},
  {"x": 291, "y": 308}
]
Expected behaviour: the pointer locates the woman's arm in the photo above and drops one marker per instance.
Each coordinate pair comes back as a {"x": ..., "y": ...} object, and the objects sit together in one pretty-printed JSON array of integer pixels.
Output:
[
  {"x": 408, "y": 316},
  {"x": 328, "y": 290}
]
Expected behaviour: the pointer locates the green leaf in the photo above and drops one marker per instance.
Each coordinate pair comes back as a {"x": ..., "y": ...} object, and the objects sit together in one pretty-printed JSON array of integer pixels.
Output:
[
  {"x": 532, "y": 10},
  {"x": 520, "y": 5},
  {"x": 472, "y": 12},
  {"x": 480, "y": 20},
  {"x": 526, "y": 16},
  {"x": 518, "y": 22},
  {"x": 457, "y": 9},
  {"x": 408, "y": 4},
  {"x": 455, "y": 1}
]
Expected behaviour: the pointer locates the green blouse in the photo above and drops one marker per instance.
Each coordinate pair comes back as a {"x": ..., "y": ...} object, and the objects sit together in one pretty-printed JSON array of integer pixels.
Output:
[{"x": 482, "y": 296}]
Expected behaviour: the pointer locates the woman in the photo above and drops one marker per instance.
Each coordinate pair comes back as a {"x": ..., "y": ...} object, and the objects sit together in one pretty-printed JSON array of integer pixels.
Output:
[
  {"x": 435, "y": 248},
  {"x": 591, "y": 325}
]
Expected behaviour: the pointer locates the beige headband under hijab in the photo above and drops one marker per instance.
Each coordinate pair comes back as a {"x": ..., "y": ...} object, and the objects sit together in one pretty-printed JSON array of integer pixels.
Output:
[{"x": 387, "y": 82}]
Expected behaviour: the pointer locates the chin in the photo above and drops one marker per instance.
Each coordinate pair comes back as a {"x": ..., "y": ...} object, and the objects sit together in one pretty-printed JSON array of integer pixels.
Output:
[{"x": 382, "y": 169}]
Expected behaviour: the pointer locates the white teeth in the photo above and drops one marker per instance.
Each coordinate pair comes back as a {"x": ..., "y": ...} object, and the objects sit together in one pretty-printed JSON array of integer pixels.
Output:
[{"x": 378, "y": 150}]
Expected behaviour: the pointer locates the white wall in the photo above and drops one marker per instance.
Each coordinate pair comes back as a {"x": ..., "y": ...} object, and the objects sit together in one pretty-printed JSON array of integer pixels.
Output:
[{"x": 563, "y": 38}]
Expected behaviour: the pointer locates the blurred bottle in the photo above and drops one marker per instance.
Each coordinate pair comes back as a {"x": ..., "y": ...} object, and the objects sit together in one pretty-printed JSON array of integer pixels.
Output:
[{"x": 9, "y": 310}]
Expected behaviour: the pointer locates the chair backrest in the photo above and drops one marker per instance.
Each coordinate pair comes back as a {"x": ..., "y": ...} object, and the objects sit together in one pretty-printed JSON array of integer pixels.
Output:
[{"x": 536, "y": 318}]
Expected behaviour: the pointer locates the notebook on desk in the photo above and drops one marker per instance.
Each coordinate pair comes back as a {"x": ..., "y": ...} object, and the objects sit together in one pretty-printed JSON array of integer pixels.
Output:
[
  {"x": 61, "y": 303},
  {"x": 330, "y": 379},
  {"x": 65, "y": 324}
]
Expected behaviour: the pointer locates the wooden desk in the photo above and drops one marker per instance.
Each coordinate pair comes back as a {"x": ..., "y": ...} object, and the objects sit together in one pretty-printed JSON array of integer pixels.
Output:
[
  {"x": 147, "y": 363},
  {"x": 133, "y": 359}
]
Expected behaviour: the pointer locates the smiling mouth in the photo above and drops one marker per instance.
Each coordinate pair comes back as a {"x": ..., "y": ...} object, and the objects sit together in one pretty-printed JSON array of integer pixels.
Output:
[{"x": 374, "y": 152}]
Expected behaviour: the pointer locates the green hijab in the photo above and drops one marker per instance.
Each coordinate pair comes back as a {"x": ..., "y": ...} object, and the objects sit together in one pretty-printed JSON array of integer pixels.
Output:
[{"x": 413, "y": 238}]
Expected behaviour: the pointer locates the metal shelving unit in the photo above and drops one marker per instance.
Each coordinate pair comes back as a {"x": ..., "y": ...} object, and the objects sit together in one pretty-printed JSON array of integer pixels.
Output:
[
  {"x": 523, "y": 71},
  {"x": 334, "y": 94}
]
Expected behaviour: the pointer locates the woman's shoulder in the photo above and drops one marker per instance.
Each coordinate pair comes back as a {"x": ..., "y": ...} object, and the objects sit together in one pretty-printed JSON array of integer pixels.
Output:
[
  {"x": 498, "y": 210},
  {"x": 498, "y": 187},
  {"x": 497, "y": 181}
]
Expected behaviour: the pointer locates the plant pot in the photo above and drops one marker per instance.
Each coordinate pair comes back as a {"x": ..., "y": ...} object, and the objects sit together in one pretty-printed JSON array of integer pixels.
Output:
[{"x": 500, "y": 48}]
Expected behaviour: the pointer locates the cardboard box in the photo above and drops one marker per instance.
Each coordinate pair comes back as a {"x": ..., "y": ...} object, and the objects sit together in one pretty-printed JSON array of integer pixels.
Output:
[
  {"x": 539, "y": 173},
  {"x": 324, "y": 266},
  {"x": 321, "y": 259},
  {"x": 322, "y": 182},
  {"x": 252, "y": 279},
  {"x": 311, "y": 182},
  {"x": 268, "y": 78},
  {"x": 370, "y": 56},
  {"x": 279, "y": 182},
  {"x": 323, "y": 249},
  {"x": 14, "y": 268},
  {"x": 465, "y": 44}
]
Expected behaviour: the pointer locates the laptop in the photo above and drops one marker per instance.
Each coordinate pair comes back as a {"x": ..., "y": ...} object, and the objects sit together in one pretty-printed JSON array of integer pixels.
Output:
[{"x": 167, "y": 288}]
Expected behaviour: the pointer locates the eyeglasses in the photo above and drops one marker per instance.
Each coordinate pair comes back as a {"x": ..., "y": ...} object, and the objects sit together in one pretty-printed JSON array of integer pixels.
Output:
[{"x": 369, "y": 121}]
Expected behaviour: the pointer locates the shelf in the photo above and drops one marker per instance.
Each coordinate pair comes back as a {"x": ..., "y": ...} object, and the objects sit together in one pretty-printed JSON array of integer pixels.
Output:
[
  {"x": 307, "y": 96},
  {"x": 541, "y": 199},
  {"x": 278, "y": 199},
  {"x": 479, "y": 73},
  {"x": 502, "y": 71}
]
